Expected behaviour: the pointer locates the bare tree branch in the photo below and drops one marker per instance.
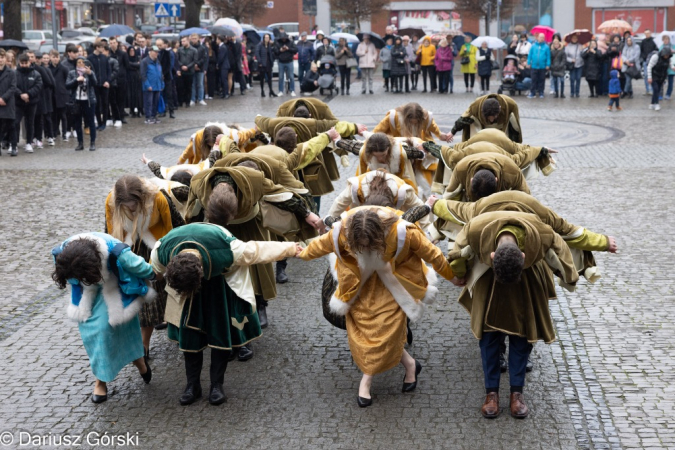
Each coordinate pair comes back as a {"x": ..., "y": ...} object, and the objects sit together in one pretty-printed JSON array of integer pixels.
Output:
[
  {"x": 356, "y": 10},
  {"x": 239, "y": 10}
]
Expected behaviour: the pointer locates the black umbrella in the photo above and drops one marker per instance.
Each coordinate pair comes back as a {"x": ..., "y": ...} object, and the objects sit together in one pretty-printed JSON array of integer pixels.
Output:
[
  {"x": 221, "y": 31},
  {"x": 252, "y": 36},
  {"x": 412, "y": 32},
  {"x": 459, "y": 40},
  {"x": 375, "y": 38},
  {"x": 11, "y": 43}
]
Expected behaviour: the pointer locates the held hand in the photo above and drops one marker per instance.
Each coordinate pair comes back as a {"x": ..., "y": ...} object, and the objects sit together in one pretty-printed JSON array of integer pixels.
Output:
[
  {"x": 550, "y": 150},
  {"x": 447, "y": 137},
  {"x": 298, "y": 250},
  {"x": 458, "y": 281},
  {"x": 419, "y": 146},
  {"x": 361, "y": 128},
  {"x": 144, "y": 159},
  {"x": 218, "y": 139},
  {"x": 159, "y": 276},
  {"x": 333, "y": 134},
  {"x": 431, "y": 201},
  {"x": 106, "y": 85},
  {"x": 613, "y": 247}
]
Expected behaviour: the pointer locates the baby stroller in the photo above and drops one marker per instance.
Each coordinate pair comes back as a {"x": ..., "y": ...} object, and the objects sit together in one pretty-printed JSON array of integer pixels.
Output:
[
  {"x": 511, "y": 85},
  {"x": 327, "y": 71}
]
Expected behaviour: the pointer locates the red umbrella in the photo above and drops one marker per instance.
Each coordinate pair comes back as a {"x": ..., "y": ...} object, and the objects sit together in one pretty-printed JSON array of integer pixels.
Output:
[
  {"x": 615, "y": 26},
  {"x": 584, "y": 36},
  {"x": 548, "y": 32}
]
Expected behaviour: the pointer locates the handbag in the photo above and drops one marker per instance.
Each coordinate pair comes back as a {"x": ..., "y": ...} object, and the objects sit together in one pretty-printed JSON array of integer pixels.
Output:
[
  {"x": 634, "y": 72},
  {"x": 495, "y": 64},
  {"x": 465, "y": 60},
  {"x": 418, "y": 59},
  {"x": 278, "y": 221},
  {"x": 351, "y": 62},
  {"x": 327, "y": 290},
  {"x": 569, "y": 66}
]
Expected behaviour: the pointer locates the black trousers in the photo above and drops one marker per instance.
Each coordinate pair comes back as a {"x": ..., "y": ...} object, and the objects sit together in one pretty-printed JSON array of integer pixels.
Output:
[
  {"x": 223, "y": 81},
  {"x": 184, "y": 86},
  {"x": 194, "y": 362},
  {"x": 118, "y": 96},
  {"x": 211, "y": 82},
  {"x": 43, "y": 126},
  {"x": 414, "y": 78},
  {"x": 8, "y": 132},
  {"x": 431, "y": 72},
  {"x": 102, "y": 105},
  {"x": 469, "y": 77},
  {"x": 345, "y": 77},
  {"x": 28, "y": 111},
  {"x": 59, "y": 122},
  {"x": 265, "y": 74},
  {"x": 238, "y": 77},
  {"x": 593, "y": 85},
  {"x": 485, "y": 83}
]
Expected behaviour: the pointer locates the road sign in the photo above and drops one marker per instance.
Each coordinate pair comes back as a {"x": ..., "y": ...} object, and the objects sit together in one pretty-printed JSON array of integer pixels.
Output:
[
  {"x": 167, "y": 10},
  {"x": 270, "y": 5}
]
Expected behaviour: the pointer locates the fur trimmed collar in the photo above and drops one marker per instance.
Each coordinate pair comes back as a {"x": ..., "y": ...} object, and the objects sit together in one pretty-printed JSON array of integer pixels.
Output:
[{"x": 393, "y": 165}]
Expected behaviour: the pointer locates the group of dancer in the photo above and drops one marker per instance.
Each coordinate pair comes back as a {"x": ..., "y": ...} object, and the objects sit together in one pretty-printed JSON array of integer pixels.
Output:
[{"x": 193, "y": 245}]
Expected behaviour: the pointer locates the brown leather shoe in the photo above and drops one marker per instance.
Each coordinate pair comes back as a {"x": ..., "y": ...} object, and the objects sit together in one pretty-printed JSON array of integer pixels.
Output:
[
  {"x": 490, "y": 407},
  {"x": 519, "y": 409}
]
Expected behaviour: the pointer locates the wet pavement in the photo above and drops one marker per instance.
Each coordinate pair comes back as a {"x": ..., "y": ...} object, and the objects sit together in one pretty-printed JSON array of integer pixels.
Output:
[{"x": 607, "y": 382}]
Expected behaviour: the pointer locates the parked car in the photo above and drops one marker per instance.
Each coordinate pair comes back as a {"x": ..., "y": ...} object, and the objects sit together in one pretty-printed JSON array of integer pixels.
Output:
[
  {"x": 165, "y": 36},
  {"x": 77, "y": 36},
  {"x": 292, "y": 29},
  {"x": 35, "y": 38},
  {"x": 148, "y": 29},
  {"x": 44, "y": 48}
]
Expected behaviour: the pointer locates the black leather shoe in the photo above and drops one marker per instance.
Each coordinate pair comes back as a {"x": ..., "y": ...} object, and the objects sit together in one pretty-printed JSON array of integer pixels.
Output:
[
  {"x": 147, "y": 376},
  {"x": 281, "y": 276},
  {"x": 92, "y": 147},
  {"x": 171, "y": 115},
  {"x": 191, "y": 394},
  {"x": 79, "y": 147},
  {"x": 364, "y": 402},
  {"x": 99, "y": 398},
  {"x": 161, "y": 326},
  {"x": 162, "y": 115},
  {"x": 245, "y": 353},
  {"x": 217, "y": 396},
  {"x": 233, "y": 354},
  {"x": 409, "y": 387},
  {"x": 529, "y": 366}
]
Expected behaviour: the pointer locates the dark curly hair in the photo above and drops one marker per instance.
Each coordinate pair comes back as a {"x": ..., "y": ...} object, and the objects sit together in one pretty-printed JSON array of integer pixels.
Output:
[
  {"x": 287, "y": 139},
  {"x": 222, "y": 207},
  {"x": 184, "y": 273},
  {"x": 378, "y": 143},
  {"x": 80, "y": 259},
  {"x": 182, "y": 177},
  {"x": 483, "y": 184},
  {"x": 491, "y": 108},
  {"x": 302, "y": 111},
  {"x": 367, "y": 231},
  {"x": 508, "y": 263}
]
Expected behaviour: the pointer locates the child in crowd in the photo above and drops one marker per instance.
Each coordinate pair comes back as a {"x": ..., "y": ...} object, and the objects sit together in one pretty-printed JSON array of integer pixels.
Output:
[
  {"x": 510, "y": 71},
  {"x": 614, "y": 90}
]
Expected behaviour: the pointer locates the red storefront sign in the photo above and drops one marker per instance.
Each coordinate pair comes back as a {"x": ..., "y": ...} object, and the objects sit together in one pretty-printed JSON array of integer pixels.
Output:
[
  {"x": 59, "y": 5},
  {"x": 642, "y": 19}
]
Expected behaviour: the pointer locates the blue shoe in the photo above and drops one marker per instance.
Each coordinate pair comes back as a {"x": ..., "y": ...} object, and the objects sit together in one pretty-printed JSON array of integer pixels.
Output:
[
  {"x": 530, "y": 96},
  {"x": 541, "y": 95}
]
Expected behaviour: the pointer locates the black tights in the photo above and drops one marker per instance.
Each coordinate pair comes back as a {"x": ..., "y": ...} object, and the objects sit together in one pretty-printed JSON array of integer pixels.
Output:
[
  {"x": 466, "y": 79},
  {"x": 592, "y": 85},
  {"x": 345, "y": 77},
  {"x": 484, "y": 83}
]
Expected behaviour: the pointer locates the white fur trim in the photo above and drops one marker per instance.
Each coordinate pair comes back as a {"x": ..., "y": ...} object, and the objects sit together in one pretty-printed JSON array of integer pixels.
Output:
[
  {"x": 423, "y": 186},
  {"x": 339, "y": 307},
  {"x": 432, "y": 290}
]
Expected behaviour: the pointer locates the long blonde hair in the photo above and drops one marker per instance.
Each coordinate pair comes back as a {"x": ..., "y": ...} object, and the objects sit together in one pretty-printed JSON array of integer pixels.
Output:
[{"x": 132, "y": 189}]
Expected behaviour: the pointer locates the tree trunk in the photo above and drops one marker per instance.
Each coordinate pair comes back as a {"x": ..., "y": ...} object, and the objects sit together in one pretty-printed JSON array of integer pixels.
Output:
[
  {"x": 12, "y": 22},
  {"x": 193, "y": 9}
]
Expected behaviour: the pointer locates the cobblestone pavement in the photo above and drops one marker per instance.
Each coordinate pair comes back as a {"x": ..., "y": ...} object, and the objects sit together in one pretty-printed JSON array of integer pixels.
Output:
[{"x": 606, "y": 383}]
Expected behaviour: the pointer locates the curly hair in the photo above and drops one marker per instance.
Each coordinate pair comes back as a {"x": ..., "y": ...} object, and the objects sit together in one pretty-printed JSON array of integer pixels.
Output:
[
  {"x": 222, "y": 207},
  {"x": 367, "y": 231},
  {"x": 491, "y": 108},
  {"x": 287, "y": 139},
  {"x": 380, "y": 194},
  {"x": 209, "y": 139},
  {"x": 183, "y": 177},
  {"x": 81, "y": 260},
  {"x": 184, "y": 273},
  {"x": 483, "y": 184},
  {"x": 378, "y": 143},
  {"x": 302, "y": 112},
  {"x": 508, "y": 263}
]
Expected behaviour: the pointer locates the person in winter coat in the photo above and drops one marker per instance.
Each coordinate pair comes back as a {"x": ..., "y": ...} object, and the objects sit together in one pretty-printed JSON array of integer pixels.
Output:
[
  {"x": 82, "y": 83},
  {"x": 646, "y": 47},
  {"x": 305, "y": 55},
  {"x": 367, "y": 54},
  {"x": 200, "y": 70},
  {"x": 614, "y": 90},
  {"x": 236, "y": 73},
  {"x": 264, "y": 54},
  {"x": 43, "y": 114},
  {"x": 511, "y": 49},
  {"x": 284, "y": 50},
  {"x": 484, "y": 58},
  {"x": 524, "y": 46},
  {"x": 398, "y": 65},
  {"x": 166, "y": 61},
  {"x": 7, "y": 104},
  {"x": 414, "y": 65},
  {"x": 120, "y": 99},
  {"x": 153, "y": 84},
  {"x": 631, "y": 62},
  {"x": 614, "y": 60},
  {"x": 558, "y": 61},
  {"x": 342, "y": 54},
  {"x": 427, "y": 52},
  {"x": 187, "y": 59},
  {"x": 671, "y": 70},
  {"x": 61, "y": 94},
  {"x": 326, "y": 49},
  {"x": 443, "y": 62},
  {"x": 311, "y": 81},
  {"x": 134, "y": 98},
  {"x": 385, "y": 58},
  {"x": 223, "y": 65},
  {"x": 467, "y": 60},
  {"x": 27, "y": 92},
  {"x": 593, "y": 59},
  {"x": 539, "y": 60},
  {"x": 99, "y": 63},
  {"x": 576, "y": 64},
  {"x": 657, "y": 73},
  {"x": 115, "y": 112}
]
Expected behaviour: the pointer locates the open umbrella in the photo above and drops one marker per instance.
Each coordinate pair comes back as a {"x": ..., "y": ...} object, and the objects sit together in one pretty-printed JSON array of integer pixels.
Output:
[
  {"x": 492, "y": 42},
  {"x": 659, "y": 39},
  {"x": 222, "y": 31},
  {"x": 231, "y": 24},
  {"x": 615, "y": 26},
  {"x": 375, "y": 38},
  {"x": 11, "y": 43},
  {"x": 412, "y": 32},
  {"x": 194, "y": 30},
  {"x": 548, "y": 32},
  {"x": 350, "y": 38},
  {"x": 583, "y": 35},
  {"x": 450, "y": 35},
  {"x": 116, "y": 30}
]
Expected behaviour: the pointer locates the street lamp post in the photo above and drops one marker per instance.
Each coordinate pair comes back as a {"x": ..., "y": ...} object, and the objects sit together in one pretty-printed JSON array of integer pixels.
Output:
[{"x": 55, "y": 41}]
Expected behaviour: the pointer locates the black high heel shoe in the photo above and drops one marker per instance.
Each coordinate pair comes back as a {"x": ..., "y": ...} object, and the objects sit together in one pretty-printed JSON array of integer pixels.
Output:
[
  {"x": 364, "y": 402},
  {"x": 95, "y": 398},
  {"x": 147, "y": 376},
  {"x": 409, "y": 387}
]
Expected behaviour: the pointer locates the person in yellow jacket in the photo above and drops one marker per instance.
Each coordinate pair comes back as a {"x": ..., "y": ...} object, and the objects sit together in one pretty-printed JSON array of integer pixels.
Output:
[
  {"x": 467, "y": 59},
  {"x": 411, "y": 120},
  {"x": 202, "y": 142},
  {"x": 380, "y": 151},
  {"x": 382, "y": 280},
  {"x": 427, "y": 52}
]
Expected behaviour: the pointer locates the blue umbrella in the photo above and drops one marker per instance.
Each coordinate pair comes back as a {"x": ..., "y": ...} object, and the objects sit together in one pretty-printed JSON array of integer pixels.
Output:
[
  {"x": 199, "y": 31},
  {"x": 116, "y": 30}
]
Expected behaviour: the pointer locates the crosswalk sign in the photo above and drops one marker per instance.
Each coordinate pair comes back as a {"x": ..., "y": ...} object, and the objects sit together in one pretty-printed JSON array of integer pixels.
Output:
[{"x": 162, "y": 10}]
